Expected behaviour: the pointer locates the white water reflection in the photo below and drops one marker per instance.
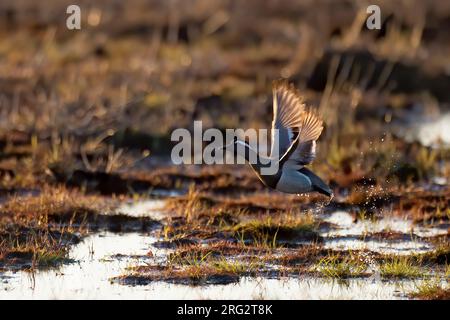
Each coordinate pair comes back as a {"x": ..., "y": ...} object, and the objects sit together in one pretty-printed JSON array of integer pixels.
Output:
[
  {"x": 429, "y": 131},
  {"x": 434, "y": 133},
  {"x": 388, "y": 247},
  {"x": 346, "y": 226},
  {"x": 349, "y": 235},
  {"x": 103, "y": 256},
  {"x": 89, "y": 277},
  {"x": 152, "y": 208}
]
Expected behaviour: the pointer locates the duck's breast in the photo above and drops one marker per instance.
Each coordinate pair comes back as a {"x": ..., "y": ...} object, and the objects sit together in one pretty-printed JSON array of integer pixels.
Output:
[{"x": 292, "y": 181}]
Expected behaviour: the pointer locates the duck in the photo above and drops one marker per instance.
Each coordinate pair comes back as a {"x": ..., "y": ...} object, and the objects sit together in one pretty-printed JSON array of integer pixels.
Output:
[{"x": 294, "y": 132}]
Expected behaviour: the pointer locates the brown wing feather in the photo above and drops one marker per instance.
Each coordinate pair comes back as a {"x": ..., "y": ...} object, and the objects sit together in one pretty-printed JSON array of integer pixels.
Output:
[
  {"x": 311, "y": 126},
  {"x": 305, "y": 146},
  {"x": 290, "y": 116},
  {"x": 288, "y": 104}
]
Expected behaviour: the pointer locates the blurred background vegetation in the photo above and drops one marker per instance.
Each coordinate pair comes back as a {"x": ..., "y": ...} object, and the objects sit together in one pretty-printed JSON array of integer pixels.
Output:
[{"x": 139, "y": 69}]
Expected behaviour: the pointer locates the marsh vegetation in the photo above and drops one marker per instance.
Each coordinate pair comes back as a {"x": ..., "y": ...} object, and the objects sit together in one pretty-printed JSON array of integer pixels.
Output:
[{"x": 91, "y": 206}]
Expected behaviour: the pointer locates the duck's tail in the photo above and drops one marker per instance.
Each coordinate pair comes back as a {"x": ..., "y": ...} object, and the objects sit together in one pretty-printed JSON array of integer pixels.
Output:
[{"x": 317, "y": 183}]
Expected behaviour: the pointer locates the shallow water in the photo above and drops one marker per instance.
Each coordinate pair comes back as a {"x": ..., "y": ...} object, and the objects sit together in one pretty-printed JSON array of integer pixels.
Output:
[
  {"x": 429, "y": 131},
  {"x": 435, "y": 132},
  {"x": 344, "y": 221},
  {"x": 349, "y": 235},
  {"x": 397, "y": 247},
  {"x": 88, "y": 277},
  {"x": 148, "y": 208},
  {"x": 103, "y": 256}
]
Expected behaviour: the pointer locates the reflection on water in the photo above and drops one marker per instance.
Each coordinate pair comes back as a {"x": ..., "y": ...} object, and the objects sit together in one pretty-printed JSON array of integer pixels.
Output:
[
  {"x": 398, "y": 247},
  {"x": 148, "y": 208},
  {"x": 350, "y": 235},
  {"x": 88, "y": 278},
  {"x": 434, "y": 132},
  {"x": 103, "y": 256},
  {"x": 346, "y": 226}
]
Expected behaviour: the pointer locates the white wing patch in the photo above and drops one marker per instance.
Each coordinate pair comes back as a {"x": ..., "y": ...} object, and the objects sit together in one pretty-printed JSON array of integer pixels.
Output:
[{"x": 288, "y": 108}]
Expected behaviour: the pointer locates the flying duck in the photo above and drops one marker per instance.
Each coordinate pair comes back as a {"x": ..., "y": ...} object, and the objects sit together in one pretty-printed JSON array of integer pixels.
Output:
[{"x": 293, "y": 136}]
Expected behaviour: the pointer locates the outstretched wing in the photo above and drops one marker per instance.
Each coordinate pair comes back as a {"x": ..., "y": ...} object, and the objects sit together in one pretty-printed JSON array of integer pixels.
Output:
[
  {"x": 303, "y": 149},
  {"x": 288, "y": 108}
]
